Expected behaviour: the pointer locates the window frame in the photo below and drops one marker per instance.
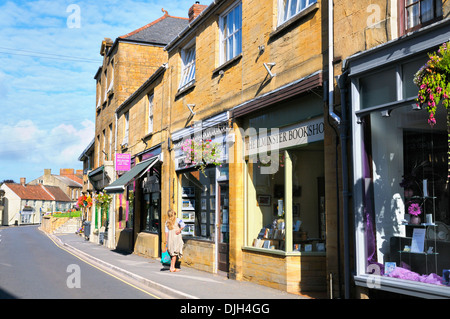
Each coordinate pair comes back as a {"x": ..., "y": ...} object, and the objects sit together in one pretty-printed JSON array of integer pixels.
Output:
[
  {"x": 126, "y": 131},
  {"x": 150, "y": 98},
  {"x": 188, "y": 65},
  {"x": 223, "y": 48},
  {"x": 403, "y": 21},
  {"x": 283, "y": 4}
]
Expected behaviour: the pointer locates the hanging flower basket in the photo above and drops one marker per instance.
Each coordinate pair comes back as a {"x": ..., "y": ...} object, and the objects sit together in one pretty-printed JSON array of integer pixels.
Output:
[
  {"x": 433, "y": 80},
  {"x": 84, "y": 201},
  {"x": 103, "y": 201},
  {"x": 201, "y": 153}
]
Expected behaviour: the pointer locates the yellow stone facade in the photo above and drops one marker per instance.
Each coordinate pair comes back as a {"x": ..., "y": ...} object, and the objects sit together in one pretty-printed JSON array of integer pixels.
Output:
[{"x": 295, "y": 50}]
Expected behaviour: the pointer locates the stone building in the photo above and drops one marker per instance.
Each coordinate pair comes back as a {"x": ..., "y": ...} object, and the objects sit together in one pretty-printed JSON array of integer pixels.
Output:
[
  {"x": 128, "y": 62},
  {"x": 69, "y": 180},
  {"x": 256, "y": 68},
  {"x": 398, "y": 160},
  {"x": 288, "y": 98}
]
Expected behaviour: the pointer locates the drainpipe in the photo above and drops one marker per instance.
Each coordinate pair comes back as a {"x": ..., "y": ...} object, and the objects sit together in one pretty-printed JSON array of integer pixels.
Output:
[
  {"x": 337, "y": 120},
  {"x": 342, "y": 127},
  {"x": 330, "y": 64}
]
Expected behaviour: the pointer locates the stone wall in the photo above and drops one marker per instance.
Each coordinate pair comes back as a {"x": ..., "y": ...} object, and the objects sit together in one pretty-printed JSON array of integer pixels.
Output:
[
  {"x": 198, "y": 254},
  {"x": 294, "y": 274},
  {"x": 50, "y": 224}
]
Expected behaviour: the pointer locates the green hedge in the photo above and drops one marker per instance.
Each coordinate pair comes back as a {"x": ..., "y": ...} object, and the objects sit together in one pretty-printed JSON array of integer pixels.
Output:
[{"x": 67, "y": 214}]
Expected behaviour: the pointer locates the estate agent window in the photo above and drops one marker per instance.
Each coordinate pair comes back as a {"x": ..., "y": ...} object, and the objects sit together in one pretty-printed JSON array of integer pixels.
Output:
[
  {"x": 401, "y": 167},
  {"x": 198, "y": 202},
  {"x": 231, "y": 33}
]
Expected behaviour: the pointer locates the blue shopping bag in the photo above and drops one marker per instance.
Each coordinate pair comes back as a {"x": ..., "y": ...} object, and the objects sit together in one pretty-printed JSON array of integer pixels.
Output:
[{"x": 165, "y": 258}]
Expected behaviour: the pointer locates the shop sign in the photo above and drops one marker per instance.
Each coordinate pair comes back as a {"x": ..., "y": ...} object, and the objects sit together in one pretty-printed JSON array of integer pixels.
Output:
[
  {"x": 279, "y": 138},
  {"x": 123, "y": 162},
  {"x": 217, "y": 134}
]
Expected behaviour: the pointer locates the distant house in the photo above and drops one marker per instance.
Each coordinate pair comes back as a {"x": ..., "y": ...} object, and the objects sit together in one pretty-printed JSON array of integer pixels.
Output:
[
  {"x": 25, "y": 204},
  {"x": 69, "y": 180}
]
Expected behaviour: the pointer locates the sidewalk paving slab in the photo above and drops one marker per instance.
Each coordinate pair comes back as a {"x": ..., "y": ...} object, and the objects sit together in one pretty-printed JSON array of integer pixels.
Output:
[{"x": 189, "y": 283}]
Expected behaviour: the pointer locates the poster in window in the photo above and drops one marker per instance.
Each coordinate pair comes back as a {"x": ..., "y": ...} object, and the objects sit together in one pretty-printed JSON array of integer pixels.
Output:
[{"x": 188, "y": 204}]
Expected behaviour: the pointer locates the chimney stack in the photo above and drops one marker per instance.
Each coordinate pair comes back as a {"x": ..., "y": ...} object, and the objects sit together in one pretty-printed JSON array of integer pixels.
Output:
[
  {"x": 23, "y": 181},
  {"x": 195, "y": 10}
]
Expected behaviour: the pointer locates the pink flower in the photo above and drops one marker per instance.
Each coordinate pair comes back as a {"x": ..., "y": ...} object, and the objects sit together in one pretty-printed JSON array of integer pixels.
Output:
[
  {"x": 432, "y": 119},
  {"x": 414, "y": 209}
]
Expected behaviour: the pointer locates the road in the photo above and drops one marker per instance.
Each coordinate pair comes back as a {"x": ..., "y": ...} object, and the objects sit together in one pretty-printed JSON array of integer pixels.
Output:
[{"x": 32, "y": 266}]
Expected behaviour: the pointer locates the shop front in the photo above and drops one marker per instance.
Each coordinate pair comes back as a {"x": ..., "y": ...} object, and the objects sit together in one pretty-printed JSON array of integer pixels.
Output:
[
  {"x": 202, "y": 193},
  {"x": 284, "y": 242},
  {"x": 401, "y": 195},
  {"x": 99, "y": 230},
  {"x": 137, "y": 195}
]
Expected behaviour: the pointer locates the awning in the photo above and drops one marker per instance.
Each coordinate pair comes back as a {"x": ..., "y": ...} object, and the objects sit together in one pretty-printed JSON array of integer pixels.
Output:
[{"x": 118, "y": 186}]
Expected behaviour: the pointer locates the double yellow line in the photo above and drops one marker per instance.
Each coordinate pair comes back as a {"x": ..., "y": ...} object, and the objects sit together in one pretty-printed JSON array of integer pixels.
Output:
[{"x": 92, "y": 265}]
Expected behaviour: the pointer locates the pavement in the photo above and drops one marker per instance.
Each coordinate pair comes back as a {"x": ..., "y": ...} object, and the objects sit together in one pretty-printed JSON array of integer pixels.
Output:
[{"x": 189, "y": 283}]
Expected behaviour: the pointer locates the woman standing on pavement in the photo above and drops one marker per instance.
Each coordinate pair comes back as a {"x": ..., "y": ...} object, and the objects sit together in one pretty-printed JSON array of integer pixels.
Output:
[{"x": 174, "y": 240}]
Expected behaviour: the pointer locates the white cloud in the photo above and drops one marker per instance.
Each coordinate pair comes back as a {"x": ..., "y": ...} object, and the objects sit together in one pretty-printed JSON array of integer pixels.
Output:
[{"x": 58, "y": 145}]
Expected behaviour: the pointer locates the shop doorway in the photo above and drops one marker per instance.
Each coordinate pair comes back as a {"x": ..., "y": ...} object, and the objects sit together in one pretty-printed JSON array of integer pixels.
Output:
[{"x": 223, "y": 228}]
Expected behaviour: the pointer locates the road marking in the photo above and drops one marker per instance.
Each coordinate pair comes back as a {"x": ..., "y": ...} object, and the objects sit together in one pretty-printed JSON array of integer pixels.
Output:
[{"x": 146, "y": 292}]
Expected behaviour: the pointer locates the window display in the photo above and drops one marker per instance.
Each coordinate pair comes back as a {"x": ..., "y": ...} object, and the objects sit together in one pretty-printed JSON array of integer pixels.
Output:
[
  {"x": 151, "y": 205},
  {"x": 270, "y": 223},
  {"x": 407, "y": 198}
]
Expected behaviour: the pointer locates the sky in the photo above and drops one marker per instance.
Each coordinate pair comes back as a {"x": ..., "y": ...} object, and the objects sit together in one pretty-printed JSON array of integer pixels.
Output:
[{"x": 49, "y": 54}]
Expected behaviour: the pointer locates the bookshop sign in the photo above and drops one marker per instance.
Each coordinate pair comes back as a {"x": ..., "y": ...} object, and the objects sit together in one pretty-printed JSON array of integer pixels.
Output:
[{"x": 289, "y": 136}]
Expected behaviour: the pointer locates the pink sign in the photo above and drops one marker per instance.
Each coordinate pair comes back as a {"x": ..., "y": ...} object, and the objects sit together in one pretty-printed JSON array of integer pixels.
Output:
[{"x": 123, "y": 162}]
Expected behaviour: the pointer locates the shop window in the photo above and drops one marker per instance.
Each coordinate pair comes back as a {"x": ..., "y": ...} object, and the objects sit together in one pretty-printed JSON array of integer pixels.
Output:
[
  {"x": 198, "y": 203},
  {"x": 151, "y": 205},
  {"x": 405, "y": 177},
  {"x": 271, "y": 225},
  {"x": 378, "y": 88},
  {"x": 408, "y": 71}
]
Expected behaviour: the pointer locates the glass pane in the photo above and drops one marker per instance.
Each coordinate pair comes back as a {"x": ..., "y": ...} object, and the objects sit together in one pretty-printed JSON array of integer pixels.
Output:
[
  {"x": 308, "y": 198},
  {"x": 286, "y": 9},
  {"x": 407, "y": 202},
  {"x": 303, "y": 5},
  {"x": 224, "y": 214},
  {"x": 198, "y": 203},
  {"x": 229, "y": 48},
  {"x": 412, "y": 16},
  {"x": 409, "y": 69},
  {"x": 426, "y": 9},
  {"x": 266, "y": 207},
  {"x": 378, "y": 88},
  {"x": 293, "y": 7}
]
